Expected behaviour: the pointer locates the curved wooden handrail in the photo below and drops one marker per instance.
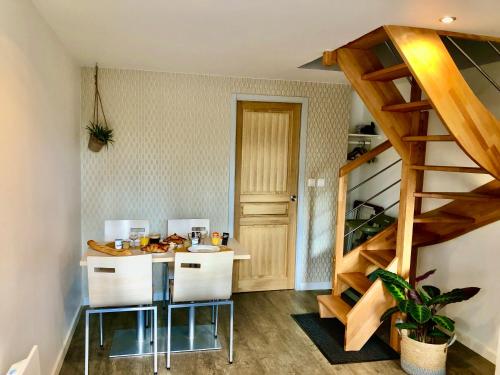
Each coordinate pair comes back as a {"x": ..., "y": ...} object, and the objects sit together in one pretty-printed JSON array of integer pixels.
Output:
[
  {"x": 364, "y": 158},
  {"x": 474, "y": 127}
]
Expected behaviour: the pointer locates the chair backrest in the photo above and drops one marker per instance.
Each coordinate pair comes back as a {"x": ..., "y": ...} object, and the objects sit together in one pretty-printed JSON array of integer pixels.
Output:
[
  {"x": 202, "y": 276},
  {"x": 184, "y": 226},
  {"x": 114, "y": 229},
  {"x": 120, "y": 281},
  {"x": 28, "y": 366}
]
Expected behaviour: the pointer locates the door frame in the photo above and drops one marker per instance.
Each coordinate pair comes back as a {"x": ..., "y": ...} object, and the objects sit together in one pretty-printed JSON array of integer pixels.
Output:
[{"x": 301, "y": 208}]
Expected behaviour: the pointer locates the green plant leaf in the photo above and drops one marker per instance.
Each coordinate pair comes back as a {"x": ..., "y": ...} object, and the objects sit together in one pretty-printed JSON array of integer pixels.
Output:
[
  {"x": 392, "y": 278},
  {"x": 435, "y": 332},
  {"x": 389, "y": 313},
  {"x": 456, "y": 295},
  {"x": 424, "y": 296},
  {"x": 431, "y": 290},
  {"x": 396, "y": 291},
  {"x": 420, "y": 313},
  {"x": 403, "y": 305},
  {"x": 445, "y": 322},
  {"x": 100, "y": 132},
  {"x": 406, "y": 325}
]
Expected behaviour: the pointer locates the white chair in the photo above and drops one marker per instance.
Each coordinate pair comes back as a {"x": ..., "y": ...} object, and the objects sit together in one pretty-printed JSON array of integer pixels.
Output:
[
  {"x": 114, "y": 229},
  {"x": 182, "y": 227},
  {"x": 201, "y": 279},
  {"x": 28, "y": 366},
  {"x": 118, "y": 284}
]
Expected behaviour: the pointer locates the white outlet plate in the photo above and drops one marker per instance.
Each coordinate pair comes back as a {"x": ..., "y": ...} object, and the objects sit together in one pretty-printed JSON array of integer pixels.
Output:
[
  {"x": 311, "y": 182},
  {"x": 320, "y": 182}
]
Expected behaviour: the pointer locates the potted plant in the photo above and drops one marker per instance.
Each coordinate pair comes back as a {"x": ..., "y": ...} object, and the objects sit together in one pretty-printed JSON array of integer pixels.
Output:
[
  {"x": 99, "y": 133},
  {"x": 99, "y": 136},
  {"x": 425, "y": 334}
]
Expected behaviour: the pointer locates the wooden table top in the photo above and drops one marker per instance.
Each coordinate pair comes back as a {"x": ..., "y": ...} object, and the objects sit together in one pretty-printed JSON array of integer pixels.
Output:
[{"x": 239, "y": 254}]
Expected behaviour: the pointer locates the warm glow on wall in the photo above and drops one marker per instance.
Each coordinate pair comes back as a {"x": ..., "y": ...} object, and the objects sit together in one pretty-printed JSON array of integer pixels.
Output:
[{"x": 448, "y": 19}]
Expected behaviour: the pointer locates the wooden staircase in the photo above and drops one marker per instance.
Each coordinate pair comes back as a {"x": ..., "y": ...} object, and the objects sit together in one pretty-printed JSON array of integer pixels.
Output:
[{"x": 436, "y": 84}]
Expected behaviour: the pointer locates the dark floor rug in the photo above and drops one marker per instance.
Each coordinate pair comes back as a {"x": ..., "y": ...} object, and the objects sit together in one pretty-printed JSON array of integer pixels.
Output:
[{"x": 328, "y": 336}]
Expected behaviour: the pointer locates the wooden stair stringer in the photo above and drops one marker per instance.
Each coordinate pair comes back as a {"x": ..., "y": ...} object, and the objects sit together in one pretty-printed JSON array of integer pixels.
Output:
[
  {"x": 474, "y": 127},
  {"x": 364, "y": 318}
]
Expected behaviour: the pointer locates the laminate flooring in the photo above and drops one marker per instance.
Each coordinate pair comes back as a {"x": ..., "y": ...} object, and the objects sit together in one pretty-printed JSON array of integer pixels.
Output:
[{"x": 267, "y": 341}]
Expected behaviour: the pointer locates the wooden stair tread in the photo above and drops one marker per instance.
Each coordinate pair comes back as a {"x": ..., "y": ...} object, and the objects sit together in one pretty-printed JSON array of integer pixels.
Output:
[
  {"x": 429, "y": 138},
  {"x": 416, "y": 106},
  {"x": 442, "y": 217},
  {"x": 356, "y": 280},
  {"x": 388, "y": 74},
  {"x": 336, "y": 305},
  {"x": 458, "y": 196},
  {"x": 446, "y": 168},
  {"x": 381, "y": 258}
]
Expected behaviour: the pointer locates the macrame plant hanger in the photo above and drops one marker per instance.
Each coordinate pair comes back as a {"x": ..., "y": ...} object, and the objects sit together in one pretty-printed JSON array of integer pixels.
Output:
[{"x": 97, "y": 100}]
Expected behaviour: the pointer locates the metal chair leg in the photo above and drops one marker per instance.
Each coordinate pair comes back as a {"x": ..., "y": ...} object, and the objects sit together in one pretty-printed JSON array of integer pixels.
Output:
[
  {"x": 155, "y": 333},
  {"x": 165, "y": 283},
  {"x": 147, "y": 323},
  {"x": 101, "y": 328},
  {"x": 216, "y": 320},
  {"x": 169, "y": 328},
  {"x": 231, "y": 327},
  {"x": 87, "y": 343},
  {"x": 151, "y": 327},
  {"x": 213, "y": 314}
]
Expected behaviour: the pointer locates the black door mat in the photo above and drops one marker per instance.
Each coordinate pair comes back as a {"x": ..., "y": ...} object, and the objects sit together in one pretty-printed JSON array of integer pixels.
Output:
[{"x": 328, "y": 336}]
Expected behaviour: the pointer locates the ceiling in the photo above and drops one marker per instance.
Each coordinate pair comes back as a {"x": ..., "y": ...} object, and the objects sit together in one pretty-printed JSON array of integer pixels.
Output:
[{"x": 245, "y": 38}]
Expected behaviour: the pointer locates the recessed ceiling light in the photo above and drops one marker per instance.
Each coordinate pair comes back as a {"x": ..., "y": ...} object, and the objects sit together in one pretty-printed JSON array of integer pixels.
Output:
[{"x": 448, "y": 19}]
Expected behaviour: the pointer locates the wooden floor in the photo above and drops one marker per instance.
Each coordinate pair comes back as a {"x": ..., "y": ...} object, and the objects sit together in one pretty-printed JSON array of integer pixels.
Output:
[{"x": 267, "y": 341}]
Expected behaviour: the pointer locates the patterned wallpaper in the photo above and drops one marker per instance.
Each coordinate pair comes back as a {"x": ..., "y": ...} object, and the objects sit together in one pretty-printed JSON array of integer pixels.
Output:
[{"x": 171, "y": 155}]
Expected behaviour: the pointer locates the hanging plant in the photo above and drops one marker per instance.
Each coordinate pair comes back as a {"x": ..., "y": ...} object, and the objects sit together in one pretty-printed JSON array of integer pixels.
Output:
[{"x": 99, "y": 133}]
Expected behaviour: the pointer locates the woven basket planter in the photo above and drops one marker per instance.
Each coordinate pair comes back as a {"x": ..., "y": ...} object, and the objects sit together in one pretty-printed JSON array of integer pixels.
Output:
[{"x": 418, "y": 358}]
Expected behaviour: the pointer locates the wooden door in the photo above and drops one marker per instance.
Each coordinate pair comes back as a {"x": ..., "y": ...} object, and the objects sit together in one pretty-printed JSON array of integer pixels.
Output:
[{"x": 265, "y": 212}]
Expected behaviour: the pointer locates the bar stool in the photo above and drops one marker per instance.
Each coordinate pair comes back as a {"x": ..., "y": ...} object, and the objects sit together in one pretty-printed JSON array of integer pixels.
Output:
[
  {"x": 119, "y": 284},
  {"x": 201, "y": 279}
]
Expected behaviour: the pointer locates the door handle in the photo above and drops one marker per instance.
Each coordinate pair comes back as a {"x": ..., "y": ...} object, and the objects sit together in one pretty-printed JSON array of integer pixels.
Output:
[{"x": 293, "y": 198}]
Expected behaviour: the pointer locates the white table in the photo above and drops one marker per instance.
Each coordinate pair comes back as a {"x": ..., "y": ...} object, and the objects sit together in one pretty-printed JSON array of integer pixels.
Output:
[{"x": 133, "y": 342}]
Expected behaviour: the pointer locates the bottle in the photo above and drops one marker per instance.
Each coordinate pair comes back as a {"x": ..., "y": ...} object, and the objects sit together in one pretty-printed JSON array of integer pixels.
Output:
[{"x": 195, "y": 240}]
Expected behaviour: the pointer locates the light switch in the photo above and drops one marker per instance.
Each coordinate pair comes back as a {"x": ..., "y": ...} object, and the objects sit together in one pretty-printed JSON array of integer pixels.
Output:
[
  {"x": 320, "y": 182},
  {"x": 311, "y": 182}
]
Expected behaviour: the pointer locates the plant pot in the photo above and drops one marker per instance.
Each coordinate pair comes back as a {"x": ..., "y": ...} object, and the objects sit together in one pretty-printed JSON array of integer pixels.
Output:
[
  {"x": 95, "y": 145},
  {"x": 418, "y": 358}
]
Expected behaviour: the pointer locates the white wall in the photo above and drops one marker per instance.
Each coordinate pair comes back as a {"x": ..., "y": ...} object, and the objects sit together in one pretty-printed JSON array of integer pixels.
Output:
[
  {"x": 472, "y": 259},
  {"x": 40, "y": 280}
]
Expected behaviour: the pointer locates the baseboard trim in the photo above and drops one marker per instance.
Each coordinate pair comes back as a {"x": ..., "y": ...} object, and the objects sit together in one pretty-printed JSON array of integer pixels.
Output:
[
  {"x": 67, "y": 342},
  {"x": 478, "y": 347},
  {"x": 315, "y": 286}
]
